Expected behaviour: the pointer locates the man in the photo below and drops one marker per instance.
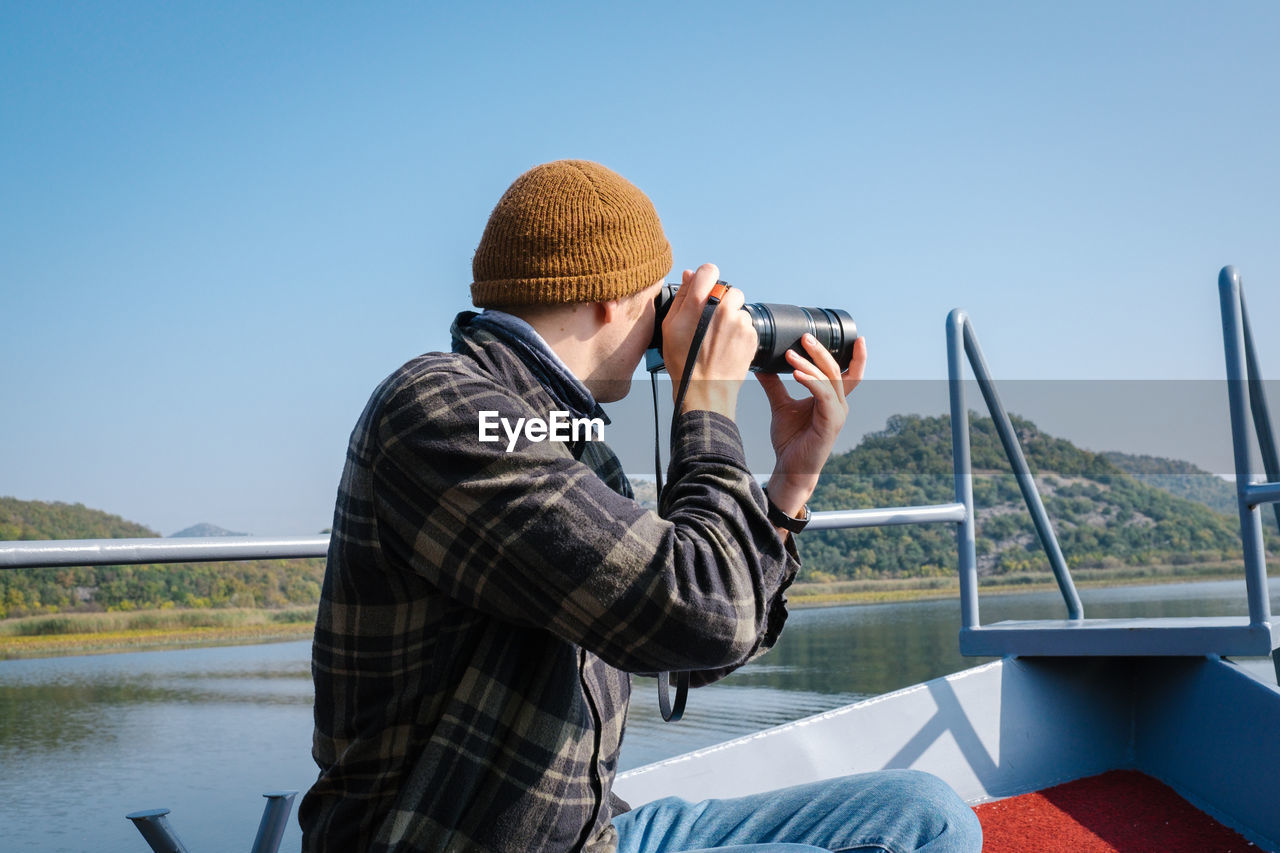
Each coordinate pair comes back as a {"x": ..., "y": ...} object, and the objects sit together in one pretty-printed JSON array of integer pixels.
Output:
[{"x": 485, "y": 600}]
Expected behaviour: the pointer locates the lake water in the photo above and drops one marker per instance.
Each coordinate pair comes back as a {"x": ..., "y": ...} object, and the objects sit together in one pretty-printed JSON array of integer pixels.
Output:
[{"x": 204, "y": 732}]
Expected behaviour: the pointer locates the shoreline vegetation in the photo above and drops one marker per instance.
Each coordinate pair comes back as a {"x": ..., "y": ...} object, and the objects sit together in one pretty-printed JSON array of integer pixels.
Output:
[{"x": 66, "y": 634}]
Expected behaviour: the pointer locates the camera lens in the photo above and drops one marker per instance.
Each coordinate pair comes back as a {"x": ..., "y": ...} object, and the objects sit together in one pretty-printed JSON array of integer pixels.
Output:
[{"x": 779, "y": 328}]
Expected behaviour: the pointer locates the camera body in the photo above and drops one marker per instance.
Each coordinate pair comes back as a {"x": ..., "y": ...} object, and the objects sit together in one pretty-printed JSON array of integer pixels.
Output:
[{"x": 778, "y": 328}]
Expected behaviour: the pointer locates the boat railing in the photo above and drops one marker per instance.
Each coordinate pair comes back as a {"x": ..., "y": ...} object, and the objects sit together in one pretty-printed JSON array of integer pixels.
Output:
[
  {"x": 1248, "y": 403},
  {"x": 1074, "y": 635},
  {"x": 962, "y": 345},
  {"x": 1254, "y": 635},
  {"x": 159, "y": 834},
  {"x": 54, "y": 553}
]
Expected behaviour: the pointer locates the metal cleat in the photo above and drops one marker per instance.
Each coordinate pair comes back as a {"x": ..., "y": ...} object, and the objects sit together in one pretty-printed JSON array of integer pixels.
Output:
[{"x": 155, "y": 827}]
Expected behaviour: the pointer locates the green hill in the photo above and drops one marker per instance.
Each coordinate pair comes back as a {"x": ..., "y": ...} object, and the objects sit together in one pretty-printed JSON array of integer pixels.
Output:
[
  {"x": 25, "y": 592},
  {"x": 1104, "y": 517},
  {"x": 40, "y": 520}
]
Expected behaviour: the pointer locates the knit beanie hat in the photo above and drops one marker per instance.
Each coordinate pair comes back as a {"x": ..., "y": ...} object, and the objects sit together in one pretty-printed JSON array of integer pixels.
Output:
[{"x": 568, "y": 231}]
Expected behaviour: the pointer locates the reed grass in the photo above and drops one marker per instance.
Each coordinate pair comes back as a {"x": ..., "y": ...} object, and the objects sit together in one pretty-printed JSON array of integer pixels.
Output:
[
  {"x": 885, "y": 590},
  {"x": 90, "y": 633},
  {"x": 152, "y": 620}
]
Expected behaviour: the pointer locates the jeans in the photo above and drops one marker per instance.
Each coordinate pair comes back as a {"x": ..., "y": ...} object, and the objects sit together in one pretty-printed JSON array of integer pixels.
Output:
[{"x": 890, "y": 810}]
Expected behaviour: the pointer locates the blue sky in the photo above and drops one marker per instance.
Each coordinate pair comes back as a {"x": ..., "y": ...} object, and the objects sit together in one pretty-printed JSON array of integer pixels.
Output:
[{"x": 223, "y": 223}]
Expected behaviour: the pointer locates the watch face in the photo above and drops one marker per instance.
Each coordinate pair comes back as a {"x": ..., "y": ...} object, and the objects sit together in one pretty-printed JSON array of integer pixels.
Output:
[{"x": 798, "y": 524}]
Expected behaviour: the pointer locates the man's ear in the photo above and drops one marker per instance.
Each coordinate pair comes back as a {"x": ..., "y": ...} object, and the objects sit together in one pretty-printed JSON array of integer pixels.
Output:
[{"x": 607, "y": 312}]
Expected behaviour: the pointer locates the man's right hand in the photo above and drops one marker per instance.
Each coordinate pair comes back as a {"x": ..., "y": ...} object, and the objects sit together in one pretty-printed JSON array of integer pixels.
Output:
[{"x": 729, "y": 345}]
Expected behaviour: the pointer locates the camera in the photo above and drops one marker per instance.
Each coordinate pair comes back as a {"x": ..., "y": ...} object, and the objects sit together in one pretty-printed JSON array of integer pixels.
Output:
[{"x": 779, "y": 328}]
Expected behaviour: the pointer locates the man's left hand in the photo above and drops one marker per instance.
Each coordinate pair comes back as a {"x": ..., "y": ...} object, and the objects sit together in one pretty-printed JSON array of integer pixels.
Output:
[{"x": 803, "y": 431}]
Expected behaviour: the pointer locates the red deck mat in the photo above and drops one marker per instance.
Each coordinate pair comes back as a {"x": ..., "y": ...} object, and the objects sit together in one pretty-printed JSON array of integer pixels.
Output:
[{"x": 1122, "y": 811}]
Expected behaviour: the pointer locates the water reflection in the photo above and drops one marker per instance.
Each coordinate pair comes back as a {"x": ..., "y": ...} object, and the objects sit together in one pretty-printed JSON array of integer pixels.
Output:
[
  {"x": 84, "y": 740},
  {"x": 82, "y": 698}
]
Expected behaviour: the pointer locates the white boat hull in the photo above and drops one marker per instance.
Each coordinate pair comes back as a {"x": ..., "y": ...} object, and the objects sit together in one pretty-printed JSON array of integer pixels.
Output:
[{"x": 1201, "y": 725}]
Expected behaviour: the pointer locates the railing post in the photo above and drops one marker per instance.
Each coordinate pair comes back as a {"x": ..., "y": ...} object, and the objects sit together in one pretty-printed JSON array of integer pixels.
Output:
[
  {"x": 275, "y": 817},
  {"x": 1022, "y": 471},
  {"x": 1258, "y": 404},
  {"x": 1233, "y": 338},
  {"x": 963, "y": 469},
  {"x": 156, "y": 830}
]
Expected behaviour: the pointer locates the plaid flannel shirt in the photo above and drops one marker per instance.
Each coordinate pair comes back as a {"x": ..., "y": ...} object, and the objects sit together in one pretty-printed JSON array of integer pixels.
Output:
[{"x": 481, "y": 611}]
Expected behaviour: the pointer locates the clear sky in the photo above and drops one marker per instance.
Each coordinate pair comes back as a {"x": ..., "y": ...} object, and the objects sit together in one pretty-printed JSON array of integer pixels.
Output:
[{"x": 222, "y": 223}]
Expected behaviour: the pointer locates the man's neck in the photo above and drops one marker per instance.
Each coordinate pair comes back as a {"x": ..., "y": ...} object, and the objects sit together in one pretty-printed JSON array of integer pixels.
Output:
[{"x": 568, "y": 331}]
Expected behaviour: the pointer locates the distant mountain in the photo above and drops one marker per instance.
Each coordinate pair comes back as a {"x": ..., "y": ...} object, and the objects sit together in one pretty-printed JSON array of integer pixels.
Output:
[
  {"x": 1180, "y": 478},
  {"x": 205, "y": 529},
  {"x": 1103, "y": 516},
  {"x": 1186, "y": 481}
]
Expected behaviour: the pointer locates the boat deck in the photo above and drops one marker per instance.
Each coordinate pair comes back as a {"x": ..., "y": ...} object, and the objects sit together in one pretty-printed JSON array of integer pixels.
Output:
[
  {"x": 1122, "y": 811},
  {"x": 1160, "y": 637},
  {"x": 1000, "y": 731}
]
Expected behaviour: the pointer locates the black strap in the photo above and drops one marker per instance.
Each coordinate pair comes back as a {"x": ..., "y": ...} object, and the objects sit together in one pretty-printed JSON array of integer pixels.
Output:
[
  {"x": 695, "y": 344},
  {"x": 657, "y": 450},
  {"x": 780, "y": 519},
  {"x": 671, "y": 712}
]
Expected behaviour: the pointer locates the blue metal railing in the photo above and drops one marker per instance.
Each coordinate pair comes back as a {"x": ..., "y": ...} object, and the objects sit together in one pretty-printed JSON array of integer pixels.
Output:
[
  {"x": 1255, "y": 635},
  {"x": 161, "y": 837},
  {"x": 963, "y": 341},
  {"x": 1246, "y": 396},
  {"x": 33, "y": 554}
]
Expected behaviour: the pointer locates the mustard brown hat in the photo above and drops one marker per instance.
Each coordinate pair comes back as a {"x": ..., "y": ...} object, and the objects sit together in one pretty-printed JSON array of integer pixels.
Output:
[{"x": 568, "y": 231}]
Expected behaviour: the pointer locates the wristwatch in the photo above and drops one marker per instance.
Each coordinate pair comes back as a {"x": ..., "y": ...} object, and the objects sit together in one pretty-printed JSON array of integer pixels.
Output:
[{"x": 778, "y": 518}]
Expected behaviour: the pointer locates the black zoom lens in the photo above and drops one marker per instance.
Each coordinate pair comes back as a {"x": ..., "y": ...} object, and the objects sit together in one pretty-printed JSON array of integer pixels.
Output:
[{"x": 779, "y": 328}]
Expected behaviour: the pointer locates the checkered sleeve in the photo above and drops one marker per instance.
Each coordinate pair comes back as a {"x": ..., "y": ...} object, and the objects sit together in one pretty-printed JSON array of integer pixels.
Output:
[{"x": 534, "y": 537}]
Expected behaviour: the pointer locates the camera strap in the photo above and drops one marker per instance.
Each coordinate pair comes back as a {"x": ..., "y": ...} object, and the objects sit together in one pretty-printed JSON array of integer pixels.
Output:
[{"x": 673, "y": 711}]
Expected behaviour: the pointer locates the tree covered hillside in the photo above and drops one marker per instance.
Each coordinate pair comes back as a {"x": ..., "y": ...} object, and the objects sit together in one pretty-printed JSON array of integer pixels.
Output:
[
  {"x": 24, "y": 592},
  {"x": 1103, "y": 516},
  {"x": 1186, "y": 481},
  {"x": 40, "y": 520}
]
